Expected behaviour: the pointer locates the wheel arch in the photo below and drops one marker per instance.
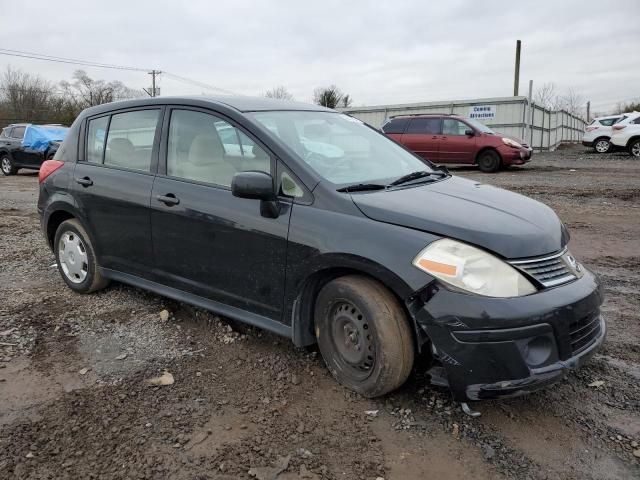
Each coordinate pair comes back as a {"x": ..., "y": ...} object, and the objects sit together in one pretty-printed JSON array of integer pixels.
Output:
[
  {"x": 302, "y": 315},
  {"x": 487, "y": 149},
  {"x": 632, "y": 139},
  {"x": 58, "y": 213}
]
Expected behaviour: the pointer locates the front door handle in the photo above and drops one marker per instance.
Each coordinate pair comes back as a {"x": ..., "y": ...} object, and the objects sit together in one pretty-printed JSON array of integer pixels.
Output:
[
  {"x": 169, "y": 199},
  {"x": 84, "y": 181}
]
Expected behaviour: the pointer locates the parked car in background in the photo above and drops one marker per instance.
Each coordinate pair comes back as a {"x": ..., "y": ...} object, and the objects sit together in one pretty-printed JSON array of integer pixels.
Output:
[
  {"x": 24, "y": 145},
  {"x": 626, "y": 133},
  {"x": 597, "y": 134},
  {"x": 443, "y": 138},
  {"x": 308, "y": 223}
]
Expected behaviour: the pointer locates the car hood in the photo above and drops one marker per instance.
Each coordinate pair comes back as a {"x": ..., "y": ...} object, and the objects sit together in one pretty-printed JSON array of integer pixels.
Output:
[{"x": 511, "y": 225}]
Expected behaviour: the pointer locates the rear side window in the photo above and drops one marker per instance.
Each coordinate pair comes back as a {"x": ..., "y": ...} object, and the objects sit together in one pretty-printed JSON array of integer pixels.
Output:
[
  {"x": 130, "y": 139},
  {"x": 637, "y": 121},
  {"x": 205, "y": 148},
  {"x": 424, "y": 125},
  {"x": 395, "y": 125},
  {"x": 5, "y": 132},
  {"x": 607, "y": 122},
  {"x": 96, "y": 135},
  {"x": 17, "y": 132}
]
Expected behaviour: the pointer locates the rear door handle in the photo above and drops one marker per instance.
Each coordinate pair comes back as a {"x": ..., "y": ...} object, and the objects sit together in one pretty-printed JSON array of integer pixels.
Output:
[
  {"x": 85, "y": 181},
  {"x": 168, "y": 199}
]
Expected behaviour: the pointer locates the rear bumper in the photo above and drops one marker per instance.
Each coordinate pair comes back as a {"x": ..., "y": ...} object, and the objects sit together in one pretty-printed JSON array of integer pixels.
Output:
[
  {"x": 494, "y": 348},
  {"x": 587, "y": 143}
]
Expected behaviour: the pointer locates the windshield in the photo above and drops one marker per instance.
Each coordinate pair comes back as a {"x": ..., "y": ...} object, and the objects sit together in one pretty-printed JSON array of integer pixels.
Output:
[
  {"x": 341, "y": 149},
  {"x": 479, "y": 126}
]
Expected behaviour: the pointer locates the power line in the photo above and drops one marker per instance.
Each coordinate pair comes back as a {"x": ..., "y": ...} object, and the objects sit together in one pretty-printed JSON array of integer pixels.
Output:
[
  {"x": 51, "y": 58},
  {"x": 197, "y": 83}
]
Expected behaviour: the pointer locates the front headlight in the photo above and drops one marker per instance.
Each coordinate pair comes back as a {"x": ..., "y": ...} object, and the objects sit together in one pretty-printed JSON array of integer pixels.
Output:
[
  {"x": 511, "y": 143},
  {"x": 471, "y": 269}
]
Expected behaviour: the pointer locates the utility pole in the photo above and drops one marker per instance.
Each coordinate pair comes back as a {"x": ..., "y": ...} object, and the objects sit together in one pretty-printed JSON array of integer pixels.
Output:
[
  {"x": 588, "y": 111},
  {"x": 154, "y": 91},
  {"x": 516, "y": 80}
]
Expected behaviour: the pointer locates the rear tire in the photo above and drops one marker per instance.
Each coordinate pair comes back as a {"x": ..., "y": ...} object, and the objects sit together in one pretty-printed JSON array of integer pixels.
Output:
[
  {"x": 6, "y": 165},
  {"x": 363, "y": 335},
  {"x": 601, "y": 145},
  {"x": 489, "y": 161},
  {"x": 76, "y": 258},
  {"x": 634, "y": 148}
]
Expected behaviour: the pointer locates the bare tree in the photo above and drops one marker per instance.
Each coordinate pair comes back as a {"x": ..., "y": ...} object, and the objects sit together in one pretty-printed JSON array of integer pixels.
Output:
[
  {"x": 573, "y": 103},
  {"x": 280, "y": 92},
  {"x": 546, "y": 96},
  {"x": 331, "y": 97},
  {"x": 87, "y": 92},
  {"x": 24, "y": 97}
]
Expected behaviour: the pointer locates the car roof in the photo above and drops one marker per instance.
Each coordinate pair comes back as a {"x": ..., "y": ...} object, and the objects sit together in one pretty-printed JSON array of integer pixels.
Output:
[
  {"x": 424, "y": 115},
  {"x": 239, "y": 102}
]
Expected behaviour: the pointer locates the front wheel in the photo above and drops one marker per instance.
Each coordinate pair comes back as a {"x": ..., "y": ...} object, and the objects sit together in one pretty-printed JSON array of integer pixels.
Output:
[
  {"x": 634, "y": 148},
  {"x": 602, "y": 145},
  {"x": 363, "y": 335},
  {"x": 7, "y": 166},
  {"x": 76, "y": 258},
  {"x": 489, "y": 161}
]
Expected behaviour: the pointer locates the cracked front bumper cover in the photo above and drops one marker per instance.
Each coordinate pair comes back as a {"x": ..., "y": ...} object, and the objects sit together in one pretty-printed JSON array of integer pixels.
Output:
[{"x": 502, "y": 347}]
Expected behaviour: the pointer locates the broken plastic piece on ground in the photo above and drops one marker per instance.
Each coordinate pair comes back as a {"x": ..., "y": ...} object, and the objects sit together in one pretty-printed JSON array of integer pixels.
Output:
[
  {"x": 467, "y": 409},
  {"x": 165, "y": 379}
]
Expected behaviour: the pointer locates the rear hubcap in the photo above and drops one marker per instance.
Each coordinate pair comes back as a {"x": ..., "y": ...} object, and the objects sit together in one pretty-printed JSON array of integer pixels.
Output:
[
  {"x": 635, "y": 149},
  {"x": 602, "y": 146},
  {"x": 72, "y": 255},
  {"x": 353, "y": 338}
]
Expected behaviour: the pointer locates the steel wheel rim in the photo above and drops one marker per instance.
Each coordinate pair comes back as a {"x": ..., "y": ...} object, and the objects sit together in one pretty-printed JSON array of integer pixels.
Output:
[
  {"x": 72, "y": 255},
  {"x": 635, "y": 149},
  {"x": 353, "y": 339},
  {"x": 602, "y": 146},
  {"x": 6, "y": 165}
]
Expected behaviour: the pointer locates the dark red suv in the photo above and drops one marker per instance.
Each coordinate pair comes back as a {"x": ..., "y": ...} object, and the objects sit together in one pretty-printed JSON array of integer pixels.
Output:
[{"x": 445, "y": 138}]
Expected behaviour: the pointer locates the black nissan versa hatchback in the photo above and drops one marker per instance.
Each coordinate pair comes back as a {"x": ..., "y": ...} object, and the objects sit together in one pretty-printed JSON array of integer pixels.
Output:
[{"x": 308, "y": 223}]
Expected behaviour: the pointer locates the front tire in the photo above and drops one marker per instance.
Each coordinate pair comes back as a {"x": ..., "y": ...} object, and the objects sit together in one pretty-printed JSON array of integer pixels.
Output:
[
  {"x": 634, "y": 148},
  {"x": 489, "y": 161},
  {"x": 76, "y": 258},
  {"x": 363, "y": 335},
  {"x": 7, "y": 166},
  {"x": 602, "y": 145}
]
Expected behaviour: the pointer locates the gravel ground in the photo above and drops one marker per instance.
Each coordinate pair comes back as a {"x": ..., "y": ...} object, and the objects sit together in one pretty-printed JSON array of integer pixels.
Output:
[{"x": 74, "y": 402}]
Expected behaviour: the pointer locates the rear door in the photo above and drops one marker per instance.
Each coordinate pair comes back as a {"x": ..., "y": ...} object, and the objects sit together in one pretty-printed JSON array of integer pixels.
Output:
[
  {"x": 112, "y": 184},
  {"x": 17, "y": 150},
  {"x": 206, "y": 241},
  {"x": 456, "y": 145},
  {"x": 422, "y": 136}
]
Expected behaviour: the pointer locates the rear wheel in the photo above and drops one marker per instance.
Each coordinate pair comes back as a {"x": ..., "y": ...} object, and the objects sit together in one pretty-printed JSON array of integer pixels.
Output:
[
  {"x": 76, "y": 258},
  {"x": 7, "y": 166},
  {"x": 602, "y": 145},
  {"x": 363, "y": 335},
  {"x": 634, "y": 148},
  {"x": 489, "y": 161}
]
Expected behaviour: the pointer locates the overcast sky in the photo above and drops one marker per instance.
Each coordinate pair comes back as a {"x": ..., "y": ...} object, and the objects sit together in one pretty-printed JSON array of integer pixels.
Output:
[{"x": 379, "y": 52}]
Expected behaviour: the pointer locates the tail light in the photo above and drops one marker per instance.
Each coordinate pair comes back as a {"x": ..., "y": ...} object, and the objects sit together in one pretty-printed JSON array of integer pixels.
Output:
[
  {"x": 47, "y": 168},
  {"x": 619, "y": 127},
  {"x": 591, "y": 129}
]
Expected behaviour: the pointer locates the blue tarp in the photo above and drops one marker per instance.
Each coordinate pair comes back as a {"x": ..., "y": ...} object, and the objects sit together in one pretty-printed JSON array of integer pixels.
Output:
[{"x": 38, "y": 137}]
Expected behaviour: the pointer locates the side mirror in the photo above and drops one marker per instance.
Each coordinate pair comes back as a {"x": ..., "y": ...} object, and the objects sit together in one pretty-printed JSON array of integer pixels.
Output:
[
  {"x": 255, "y": 185},
  {"x": 469, "y": 132}
]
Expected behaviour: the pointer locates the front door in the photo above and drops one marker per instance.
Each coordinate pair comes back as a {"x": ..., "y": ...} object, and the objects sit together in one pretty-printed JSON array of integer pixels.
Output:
[
  {"x": 456, "y": 146},
  {"x": 206, "y": 241},
  {"x": 113, "y": 180},
  {"x": 422, "y": 136}
]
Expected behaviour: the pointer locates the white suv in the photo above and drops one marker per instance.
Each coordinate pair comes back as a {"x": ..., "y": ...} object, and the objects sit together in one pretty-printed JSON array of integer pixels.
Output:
[
  {"x": 598, "y": 133},
  {"x": 626, "y": 133}
]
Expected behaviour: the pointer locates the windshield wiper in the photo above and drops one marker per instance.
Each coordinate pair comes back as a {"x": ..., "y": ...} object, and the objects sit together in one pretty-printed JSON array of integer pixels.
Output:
[
  {"x": 415, "y": 176},
  {"x": 362, "y": 187}
]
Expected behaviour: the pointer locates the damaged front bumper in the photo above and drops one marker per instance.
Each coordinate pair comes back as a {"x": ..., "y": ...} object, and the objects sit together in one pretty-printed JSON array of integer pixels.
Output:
[{"x": 502, "y": 347}]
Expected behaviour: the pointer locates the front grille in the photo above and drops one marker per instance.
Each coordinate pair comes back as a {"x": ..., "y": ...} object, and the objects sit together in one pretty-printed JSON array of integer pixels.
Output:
[
  {"x": 550, "y": 271},
  {"x": 583, "y": 332}
]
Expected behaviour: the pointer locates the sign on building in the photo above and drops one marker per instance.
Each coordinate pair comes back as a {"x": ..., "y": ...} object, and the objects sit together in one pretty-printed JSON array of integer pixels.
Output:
[{"x": 482, "y": 112}]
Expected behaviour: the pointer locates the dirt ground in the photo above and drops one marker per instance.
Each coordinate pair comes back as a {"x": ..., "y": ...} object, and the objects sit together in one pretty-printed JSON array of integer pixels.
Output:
[{"x": 247, "y": 404}]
